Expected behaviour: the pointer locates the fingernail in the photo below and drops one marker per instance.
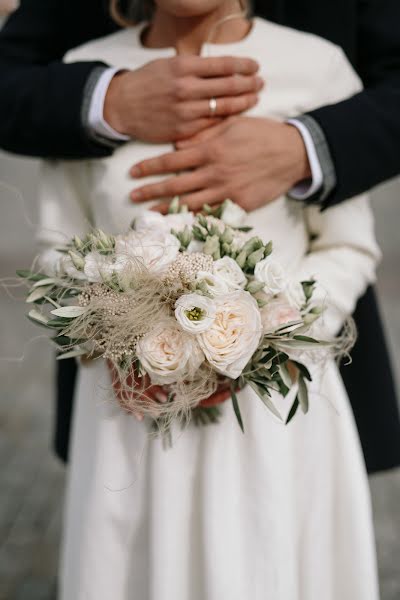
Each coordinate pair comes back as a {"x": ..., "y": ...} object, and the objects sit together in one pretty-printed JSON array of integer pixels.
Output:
[
  {"x": 136, "y": 196},
  {"x": 135, "y": 172},
  {"x": 161, "y": 397},
  {"x": 260, "y": 82}
]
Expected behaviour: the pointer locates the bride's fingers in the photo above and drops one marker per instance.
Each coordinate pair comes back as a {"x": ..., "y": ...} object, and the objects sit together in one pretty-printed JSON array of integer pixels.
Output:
[
  {"x": 174, "y": 186},
  {"x": 224, "y": 107},
  {"x": 224, "y": 86},
  {"x": 169, "y": 163}
]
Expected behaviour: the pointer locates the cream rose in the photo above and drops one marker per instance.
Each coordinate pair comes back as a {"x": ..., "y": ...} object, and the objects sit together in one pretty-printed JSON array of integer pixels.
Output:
[
  {"x": 156, "y": 253},
  {"x": 169, "y": 354},
  {"x": 194, "y": 313},
  {"x": 234, "y": 335},
  {"x": 230, "y": 273},
  {"x": 277, "y": 313},
  {"x": 273, "y": 276}
]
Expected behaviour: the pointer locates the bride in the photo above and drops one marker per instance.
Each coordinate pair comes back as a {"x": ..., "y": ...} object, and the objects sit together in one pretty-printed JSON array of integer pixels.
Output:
[{"x": 281, "y": 512}]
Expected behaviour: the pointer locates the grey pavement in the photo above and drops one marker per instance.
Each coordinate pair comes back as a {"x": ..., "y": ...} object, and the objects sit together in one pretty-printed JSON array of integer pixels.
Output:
[{"x": 32, "y": 480}]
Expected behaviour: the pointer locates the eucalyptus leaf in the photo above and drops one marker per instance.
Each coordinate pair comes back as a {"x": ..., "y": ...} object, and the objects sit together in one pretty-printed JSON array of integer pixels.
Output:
[
  {"x": 266, "y": 399},
  {"x": 29, "y": 275},
  {"x": 69, "y": 312},
  {"x": 72, "y": 354},
  {"x": 293, "y": 410},
  {"x": 303, "y": 395},
  {"x": 38, "y": 293},
  {"x": 284, "y": 373},
  {"x": 37, "y": 317},
  {"x": 46, "y": 281},
  {"x": 236, "y": 408}
]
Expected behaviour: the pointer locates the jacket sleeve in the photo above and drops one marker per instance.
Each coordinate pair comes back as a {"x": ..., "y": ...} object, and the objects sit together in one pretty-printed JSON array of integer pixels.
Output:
[
  {"x": 363, "y": 132},
  {"x": 41, "y": 98},
  {"x": 343, "y": 253}
]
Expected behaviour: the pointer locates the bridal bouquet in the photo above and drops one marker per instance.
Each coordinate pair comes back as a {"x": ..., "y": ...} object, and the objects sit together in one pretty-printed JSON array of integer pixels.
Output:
[{"x": 188, "y": 302}]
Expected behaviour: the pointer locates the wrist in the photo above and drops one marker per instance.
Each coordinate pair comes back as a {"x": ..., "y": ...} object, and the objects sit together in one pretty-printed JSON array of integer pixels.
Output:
[
  {"x": 113, "y": 111},
  {"x": 300, "y": 168}
]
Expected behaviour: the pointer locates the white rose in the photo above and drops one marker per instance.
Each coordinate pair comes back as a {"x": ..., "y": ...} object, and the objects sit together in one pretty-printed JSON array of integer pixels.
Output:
[
  {"x": 271, "y": 273},
  {"x": 214, "y": 285},
  {"x": 295, "y": 294},
  {"x": 234, "y": 335},
  {"x": 195, "y": 246},
  {"x": 156, "y": 251},
  {"x": 194, "y": 313},
  {"x": 229, "y": 271},
  {"x": 150, "y": 220},
  {"x": 277, "y": 313},
  {"x": 169, "y": 354},
  {"x": 232, "y": 214},
  {"x": 50, "y": 262}
]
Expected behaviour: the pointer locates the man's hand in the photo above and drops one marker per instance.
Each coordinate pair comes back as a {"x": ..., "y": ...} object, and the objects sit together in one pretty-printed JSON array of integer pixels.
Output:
[
  {"x": 169, "y": 99},
  {"x": 252, "y": 161}
]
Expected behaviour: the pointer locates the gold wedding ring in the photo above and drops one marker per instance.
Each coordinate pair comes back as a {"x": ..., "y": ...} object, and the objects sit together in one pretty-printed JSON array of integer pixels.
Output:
[{"x": 213, "y": 106}]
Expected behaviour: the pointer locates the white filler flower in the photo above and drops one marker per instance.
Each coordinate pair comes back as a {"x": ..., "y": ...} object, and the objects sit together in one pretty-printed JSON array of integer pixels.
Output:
[
  {"x": 271, "y": 273},
  {"x": 232, "y": 214},
  {"x": 169, "y": 354},
  {"x": 234, "y": 335},
  {"x": 156, "y": 251},
  {"x": 212, "y": 284},
  {"x": 230, "y": 273},
  {"x": 194, "y": 313},
  {"x": 151, "y": 221}
]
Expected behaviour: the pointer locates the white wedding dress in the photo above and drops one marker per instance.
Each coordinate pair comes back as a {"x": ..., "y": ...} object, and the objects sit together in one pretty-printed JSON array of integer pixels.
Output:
[{"x": 280, "y": 513}]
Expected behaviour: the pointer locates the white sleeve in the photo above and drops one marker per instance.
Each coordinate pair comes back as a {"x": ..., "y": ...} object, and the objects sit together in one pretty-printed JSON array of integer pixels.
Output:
[{"x": 343, "y": 256}]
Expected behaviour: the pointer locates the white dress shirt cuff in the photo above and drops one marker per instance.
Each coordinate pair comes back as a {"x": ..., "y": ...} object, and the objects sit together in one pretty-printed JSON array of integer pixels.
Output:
[
  {"x": 96, "y": 121},
  {"x": 306, "y": 189}
]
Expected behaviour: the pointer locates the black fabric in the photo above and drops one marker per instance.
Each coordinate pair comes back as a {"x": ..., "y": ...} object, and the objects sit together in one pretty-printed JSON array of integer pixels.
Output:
[{"x": 40, "y": 105}]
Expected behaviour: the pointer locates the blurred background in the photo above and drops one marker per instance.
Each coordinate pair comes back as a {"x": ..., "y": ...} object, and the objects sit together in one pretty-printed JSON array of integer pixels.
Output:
[{"x": 32, "y": 479}]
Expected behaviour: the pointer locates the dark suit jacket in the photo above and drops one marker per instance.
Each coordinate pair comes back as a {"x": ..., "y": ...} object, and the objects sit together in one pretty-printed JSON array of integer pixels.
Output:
[{"x": 41, "y": 101}]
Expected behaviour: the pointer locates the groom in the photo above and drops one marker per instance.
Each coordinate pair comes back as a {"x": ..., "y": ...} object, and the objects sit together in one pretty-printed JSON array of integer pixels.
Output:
[{"x": 340, "y": 150}]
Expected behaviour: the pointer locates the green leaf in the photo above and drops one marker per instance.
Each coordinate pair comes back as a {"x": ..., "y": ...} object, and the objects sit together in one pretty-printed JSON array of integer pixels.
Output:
[
  {"x": 69, "y": 312},
  {"x": 303, "y": 395},
  {"x": 37, "y": 294},
  {"x": 284, "y": 373},
  {"x": 29, "y": 275},
  {"x": 72, "y": 354},
  {"x": 293, "y": 410},
  {"x": 306, "y": 338},
  {"x": 59, "y": 323},
  {"x": 266, "y": 399},
  {"x": 37, "y": 317},
  {"x": 303, "y": 370},
  {"x": 45, "y": 281},
  {"x": 236, "y": 408}
]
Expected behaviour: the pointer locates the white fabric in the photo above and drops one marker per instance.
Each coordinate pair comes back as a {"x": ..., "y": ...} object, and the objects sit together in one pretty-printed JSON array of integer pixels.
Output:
[
  {"x": 281, "y": 512},
  {"x": 96, "y": 120},
  {"x": 305, "y": 189}
]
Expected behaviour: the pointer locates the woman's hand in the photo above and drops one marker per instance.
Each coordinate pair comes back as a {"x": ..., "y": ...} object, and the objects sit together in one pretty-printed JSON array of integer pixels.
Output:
[
  {"x": 250, "y": 160},
  {"x": 169, "y": 99},
  {"x": 153, "y": 394}
]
